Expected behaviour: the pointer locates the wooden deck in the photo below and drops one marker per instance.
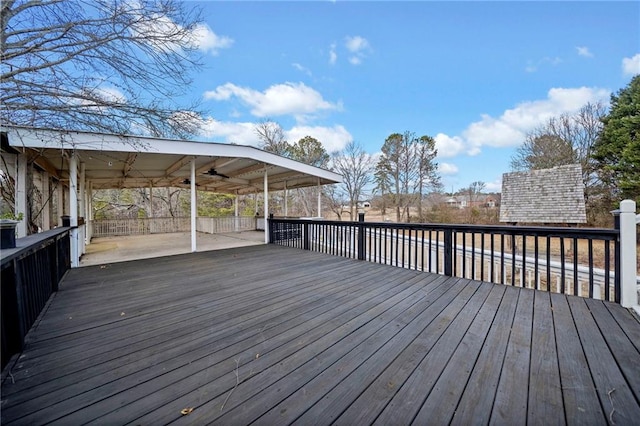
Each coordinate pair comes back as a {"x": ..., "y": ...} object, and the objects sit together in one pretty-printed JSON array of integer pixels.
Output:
[{"x": 273, "y": 335}]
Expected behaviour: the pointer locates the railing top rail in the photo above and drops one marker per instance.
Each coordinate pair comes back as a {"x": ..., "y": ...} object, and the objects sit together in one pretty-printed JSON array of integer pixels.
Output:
[
  {"x": 32, "y": 243},
  {"x": 551, "y": 231}
]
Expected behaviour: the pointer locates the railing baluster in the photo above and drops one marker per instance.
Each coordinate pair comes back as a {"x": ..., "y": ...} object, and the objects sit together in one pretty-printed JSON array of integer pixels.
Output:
[
  {"x": 576, "y": 291},
  {"x": 562, "y": 267}
]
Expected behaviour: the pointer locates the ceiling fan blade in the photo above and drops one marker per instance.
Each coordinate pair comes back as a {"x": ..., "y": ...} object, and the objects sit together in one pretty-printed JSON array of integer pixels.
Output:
[
  {"x": 214, "y": 172},
  {"x": 188, "y": 182}
]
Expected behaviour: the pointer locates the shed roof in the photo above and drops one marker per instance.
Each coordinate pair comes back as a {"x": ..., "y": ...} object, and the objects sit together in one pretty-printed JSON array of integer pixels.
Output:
[
  {"x": 124, "y": 161},
  {"x": 553, "y": 195}
]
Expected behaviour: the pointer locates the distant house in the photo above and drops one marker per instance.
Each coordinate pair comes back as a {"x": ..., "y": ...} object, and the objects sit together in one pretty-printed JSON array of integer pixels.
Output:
[{"x": 463, "y": 201}]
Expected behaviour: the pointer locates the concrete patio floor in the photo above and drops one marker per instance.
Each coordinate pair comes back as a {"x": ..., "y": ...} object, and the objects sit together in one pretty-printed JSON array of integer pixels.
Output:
[{"x": 103, "y": 250}]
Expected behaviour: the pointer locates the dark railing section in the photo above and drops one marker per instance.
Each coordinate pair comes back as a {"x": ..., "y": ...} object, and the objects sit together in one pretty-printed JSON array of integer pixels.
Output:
[
  {"x": 545, "y": 258},
  {"x": 31, "y": 272}
]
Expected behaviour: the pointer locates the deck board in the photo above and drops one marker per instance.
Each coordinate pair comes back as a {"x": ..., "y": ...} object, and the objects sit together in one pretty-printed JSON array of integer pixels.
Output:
[{"x": 275, "y": 335}]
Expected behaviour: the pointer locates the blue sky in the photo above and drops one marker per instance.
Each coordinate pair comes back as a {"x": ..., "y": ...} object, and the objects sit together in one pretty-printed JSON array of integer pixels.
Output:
[{"x": 476, "y": 76}]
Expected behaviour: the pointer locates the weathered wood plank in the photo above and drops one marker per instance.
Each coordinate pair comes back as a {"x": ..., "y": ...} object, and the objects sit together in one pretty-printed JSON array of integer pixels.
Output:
[
  {"x": 616, "y": 397},
  {"x": 272, "y": 349},
  {"x": 442, "y": 400},
  {"x": 315, "y": 357},
  {"x": 406, "y": 402},
  {"x": 368, "y": 405},
  {"x": 545, "y": 404},
  {"x": 479, "y": 393},
  {"x": 335, "y": 388},
  {"x": 510, "y": 405},
  {"x": 622, "y": 349},
  {"x": 581, "y": 403}
]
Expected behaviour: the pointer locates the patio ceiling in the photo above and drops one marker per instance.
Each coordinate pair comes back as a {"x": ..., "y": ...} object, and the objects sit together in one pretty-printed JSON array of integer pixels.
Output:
[{"x": 115, "y": 161}]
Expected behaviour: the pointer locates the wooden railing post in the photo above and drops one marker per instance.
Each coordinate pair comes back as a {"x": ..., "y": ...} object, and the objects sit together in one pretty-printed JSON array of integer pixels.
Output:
[
  {"x": 305, "y": 236},
  {"x": 361, "y": 244},
  {"x": 448, "y": 252},
  {"x": 626, "y": 223},
  {"x": 269, "y": 227}
]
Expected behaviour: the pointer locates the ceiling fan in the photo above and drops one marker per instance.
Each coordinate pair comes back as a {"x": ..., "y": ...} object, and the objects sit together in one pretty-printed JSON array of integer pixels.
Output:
[
  {"x": 188, "y": 182},
  {"x": 213, "y": 172}
]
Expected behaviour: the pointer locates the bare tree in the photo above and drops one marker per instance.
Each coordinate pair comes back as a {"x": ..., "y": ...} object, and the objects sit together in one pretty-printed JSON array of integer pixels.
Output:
[
  {"x": 272, "y": 137},
  {"x": 100, "y": 65},
  {"x": 356, "y": 168},
  {"x": 542, "y": 150},
  {"x": 334, "y": 198},
  {"x": 567, "y": 139},
  {"x": 427, "y": 176},
  {"x": 405, "y": 168}
]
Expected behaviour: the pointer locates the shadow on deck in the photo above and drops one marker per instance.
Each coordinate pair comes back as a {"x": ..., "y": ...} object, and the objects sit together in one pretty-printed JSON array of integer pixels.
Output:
[{"x": 274, "y": 335}]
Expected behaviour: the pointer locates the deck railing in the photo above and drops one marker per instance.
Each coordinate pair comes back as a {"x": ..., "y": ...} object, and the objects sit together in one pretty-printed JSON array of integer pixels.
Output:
[
  {"x": 579, "y": 261},
  {"x": 164, "y": 225},
  {"x": 31, "y": 272},
  {"x": 218, "y": 225},
  {"x": 139, "y": 226}
]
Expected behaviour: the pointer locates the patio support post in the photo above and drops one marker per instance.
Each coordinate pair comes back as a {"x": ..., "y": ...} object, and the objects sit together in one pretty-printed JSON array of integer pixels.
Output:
[
  {"x": 150, "y": 199},
  {"x": 82, "y": 204},
  {"x": 628, "y": 259},
  {"x": 73, "y": 208},
  {"x": 236, "y": 219},
  {"x": 59, "y": 202},
  {"x": 194, "y": 207},
  {"x": 319, "y": 199},
  {"x": 151, "y": 222},
  {"x": 286, "y": 200},
  {"x": 81, "y": 191},
  {"x": 21, "y": 195},
  {"x": 89, "y": 219},
  {"x": 46, "y": 206},
  {"x": 266, "y": 206}
]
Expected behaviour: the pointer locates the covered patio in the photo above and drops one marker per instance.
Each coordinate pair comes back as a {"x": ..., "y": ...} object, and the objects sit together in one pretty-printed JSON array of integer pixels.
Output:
[{"x": 80, "y": 162}]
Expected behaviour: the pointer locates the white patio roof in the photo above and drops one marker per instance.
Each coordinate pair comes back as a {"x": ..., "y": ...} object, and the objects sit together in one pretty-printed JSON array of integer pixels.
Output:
[{"x": 115, "y": 161}]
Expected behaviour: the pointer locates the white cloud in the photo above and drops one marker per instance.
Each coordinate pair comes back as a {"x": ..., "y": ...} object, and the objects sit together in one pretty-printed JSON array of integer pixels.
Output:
[
  {"x": 208, "y": 41},
  {"x": 584, "y": 51},
  {"x": 533, "y": 66},
  {"x": 495, "y": 186},
  {"x": 356, "y": 44},
  {"x": 447, "y": 169},
  {"x": 333, "y": 56},
  {"x": 301, "y": 68},
  {"x": 359, "y": 47},
  {"x": 243, "y": 133},
  {"x": 449, "y": 146},
  {"x": 157, "y": 28},
  {"x": 110, "y": 94},
  {"x": 229, "y": 132},
  {"x": 332, "y": 138},
  {"x": 631, "y": 66},
  {"x": 510, "y": 128},
  {"x": 280, "y": 99}
]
